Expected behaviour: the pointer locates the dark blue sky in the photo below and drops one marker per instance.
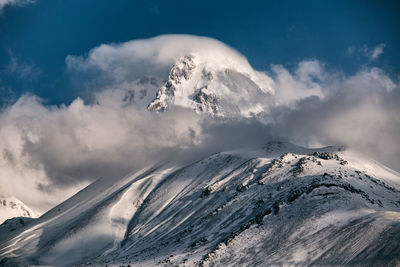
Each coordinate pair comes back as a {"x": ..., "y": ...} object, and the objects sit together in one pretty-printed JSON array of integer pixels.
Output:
[{"x": 38, "y": 37}]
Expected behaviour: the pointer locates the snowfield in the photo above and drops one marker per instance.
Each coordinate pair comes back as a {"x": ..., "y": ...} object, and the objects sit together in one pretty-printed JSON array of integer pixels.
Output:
[{"x": 279, "y": 204}]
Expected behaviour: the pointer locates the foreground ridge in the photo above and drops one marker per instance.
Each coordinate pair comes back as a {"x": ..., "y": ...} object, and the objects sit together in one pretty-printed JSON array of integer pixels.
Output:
[{"x": 279, "y": 204}]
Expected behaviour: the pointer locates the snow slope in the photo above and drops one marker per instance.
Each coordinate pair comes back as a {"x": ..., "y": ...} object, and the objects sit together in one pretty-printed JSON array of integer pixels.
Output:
[{"x": 279, "y": 204}]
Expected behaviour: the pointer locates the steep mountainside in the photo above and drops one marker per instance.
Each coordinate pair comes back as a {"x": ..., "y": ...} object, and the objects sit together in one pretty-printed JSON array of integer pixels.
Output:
[{"x": 273, "y": 205}]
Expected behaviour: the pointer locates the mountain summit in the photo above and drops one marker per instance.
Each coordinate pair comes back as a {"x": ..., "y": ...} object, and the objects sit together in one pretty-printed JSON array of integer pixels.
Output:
[
  {"x": 12, "y": 207},
  {"x": 214, "y": 87}
]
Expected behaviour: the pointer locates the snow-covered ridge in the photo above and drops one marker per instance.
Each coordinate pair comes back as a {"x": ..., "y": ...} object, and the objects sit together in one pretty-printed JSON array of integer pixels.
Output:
[
  {"x": 11, "y": 207},
  {"x": 213, "y": 87},
  {"x": 277, "y": 205},
  {"x": 182, "y": 70}
]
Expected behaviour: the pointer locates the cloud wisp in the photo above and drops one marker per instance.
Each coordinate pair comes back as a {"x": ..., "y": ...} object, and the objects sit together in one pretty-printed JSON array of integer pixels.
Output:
[
  {"x": 4, "y": 3},
  {"x": 22, "y": 70},
  {"x": 377, "y": 51},
  {"x": 367, "y": 52},
  {"x": 54, "y": 151}
]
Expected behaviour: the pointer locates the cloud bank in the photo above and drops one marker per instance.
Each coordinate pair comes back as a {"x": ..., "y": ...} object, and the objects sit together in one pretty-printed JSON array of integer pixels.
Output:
[{"x": 54, "y": 151}]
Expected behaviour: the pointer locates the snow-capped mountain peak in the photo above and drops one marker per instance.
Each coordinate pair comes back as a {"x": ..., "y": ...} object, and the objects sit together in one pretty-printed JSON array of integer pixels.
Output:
[
  {"x": 182, "y": 70},
  {"x": 214, "y": 86},
  {"x": 11, "y": 207}
]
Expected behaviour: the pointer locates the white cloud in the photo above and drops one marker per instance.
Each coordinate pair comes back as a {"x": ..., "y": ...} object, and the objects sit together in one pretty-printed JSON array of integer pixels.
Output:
[
  {"x": 303, "y": 83},
  {"x": 153, "y": 56},
  {"x": 357, "y": 111},
  {"x": 46, "y": 149},
  {"x": 4, "y": 3}
]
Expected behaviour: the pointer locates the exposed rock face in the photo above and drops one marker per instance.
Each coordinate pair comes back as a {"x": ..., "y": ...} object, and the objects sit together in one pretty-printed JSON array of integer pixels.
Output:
[
  {"x": 207, "y": 102},
  {"x": 182, "y": 70}
]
